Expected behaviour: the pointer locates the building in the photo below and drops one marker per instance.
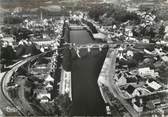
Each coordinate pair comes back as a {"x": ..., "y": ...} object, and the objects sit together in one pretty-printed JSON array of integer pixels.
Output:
[
  {"x": 43, "y": 42},
  {"x": 65, "y": 83}
]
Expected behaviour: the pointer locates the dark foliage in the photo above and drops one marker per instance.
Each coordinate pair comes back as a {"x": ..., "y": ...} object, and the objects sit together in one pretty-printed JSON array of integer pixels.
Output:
[
  {"x": 12, "y": 20},
  {"x": 112, "y": 14}
]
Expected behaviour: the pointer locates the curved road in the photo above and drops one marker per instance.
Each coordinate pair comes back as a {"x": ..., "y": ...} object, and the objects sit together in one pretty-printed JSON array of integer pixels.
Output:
[{"x": 7, "y": 105}]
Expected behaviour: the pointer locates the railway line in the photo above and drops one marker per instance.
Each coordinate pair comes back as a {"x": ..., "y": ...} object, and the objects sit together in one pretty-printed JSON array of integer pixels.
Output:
[{"x": 8, "y": 106}]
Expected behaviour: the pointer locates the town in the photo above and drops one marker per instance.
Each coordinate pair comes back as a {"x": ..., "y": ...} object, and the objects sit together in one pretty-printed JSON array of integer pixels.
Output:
[{"x": 84, "y": 58}]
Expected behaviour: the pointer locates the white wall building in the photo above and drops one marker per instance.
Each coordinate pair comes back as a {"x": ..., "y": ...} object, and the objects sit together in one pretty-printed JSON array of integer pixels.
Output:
[{"x": 65, "y": 83}]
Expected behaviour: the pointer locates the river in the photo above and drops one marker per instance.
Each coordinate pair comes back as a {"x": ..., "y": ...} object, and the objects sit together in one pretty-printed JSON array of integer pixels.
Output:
[{"x": 87, "y": 100}]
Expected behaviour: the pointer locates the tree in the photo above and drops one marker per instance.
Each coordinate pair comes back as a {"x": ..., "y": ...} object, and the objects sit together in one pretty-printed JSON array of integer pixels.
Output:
[
  {"x": 144, "y": 8},
  {"x": 162, "y": 31},
  {"x": 96, "y": 11},
  {"x": 105, "y": 12},
  {"x": 63, "y": 102},
  {"x": 12, "y": 20}
]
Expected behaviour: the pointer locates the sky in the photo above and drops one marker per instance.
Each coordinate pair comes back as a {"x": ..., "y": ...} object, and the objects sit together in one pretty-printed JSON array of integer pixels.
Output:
[{"x": 22, "y": 3}]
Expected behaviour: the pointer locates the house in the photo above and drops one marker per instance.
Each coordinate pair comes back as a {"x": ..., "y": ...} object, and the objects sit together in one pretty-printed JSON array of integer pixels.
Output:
[
  {"x": 8, "y": 39},
  {"x": 65, "y": 83},
  {"x": 137, "y": 104},
  {"x": 152, "y": 84},
  {"x": 128, "y": 31},
  {"x": 145, "y": 40},
  {"x": 164, "y": 58},
  {"x": 99, "y": 36},
  {"x": 147, "y": 72},
  {"x": 123, "y": 79},
  {"x": 130, "y": 89},
  {"x": 43, "y": 94},
  {"x": 152, "y": 104},
  {"x": 44, "y": 99},
  {"x": 49, "y": 79},
  {"x": 43, "y": 42},
  {"x": 49, "y": 87}
]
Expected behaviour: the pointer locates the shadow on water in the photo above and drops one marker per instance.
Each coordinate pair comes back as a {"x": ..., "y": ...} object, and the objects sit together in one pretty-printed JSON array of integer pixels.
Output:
[{"x": 87, "y": 100}]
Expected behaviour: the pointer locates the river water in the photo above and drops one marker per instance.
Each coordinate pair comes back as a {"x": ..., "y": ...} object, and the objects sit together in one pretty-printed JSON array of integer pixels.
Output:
[{"x": 85, "y": 70}]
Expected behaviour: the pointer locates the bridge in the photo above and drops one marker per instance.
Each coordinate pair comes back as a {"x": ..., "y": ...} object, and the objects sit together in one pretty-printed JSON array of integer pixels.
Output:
[
  {"x": 8, "y": 106},
  {"x": 90, "y": 65},
  {"x": 86, "y": 97}
]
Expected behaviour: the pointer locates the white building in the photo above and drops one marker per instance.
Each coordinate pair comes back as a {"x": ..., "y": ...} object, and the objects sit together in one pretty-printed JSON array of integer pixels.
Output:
[{"x": 65, "y": 83}]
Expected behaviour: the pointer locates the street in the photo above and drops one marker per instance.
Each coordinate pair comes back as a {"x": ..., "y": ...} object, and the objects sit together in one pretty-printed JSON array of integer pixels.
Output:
[
  {"x": 84, "y": 58},
  {"x": 6, "y": 107}
]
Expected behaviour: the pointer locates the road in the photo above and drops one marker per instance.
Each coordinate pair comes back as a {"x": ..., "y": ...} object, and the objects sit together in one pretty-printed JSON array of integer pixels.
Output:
[
  {"x": 7, "y": 105},
  {"x": 106, "y": 79},
  {"x": 4, "y": 103},
  {"x": 114, "y": 88},
  {"x": 86, "y": 96}
]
